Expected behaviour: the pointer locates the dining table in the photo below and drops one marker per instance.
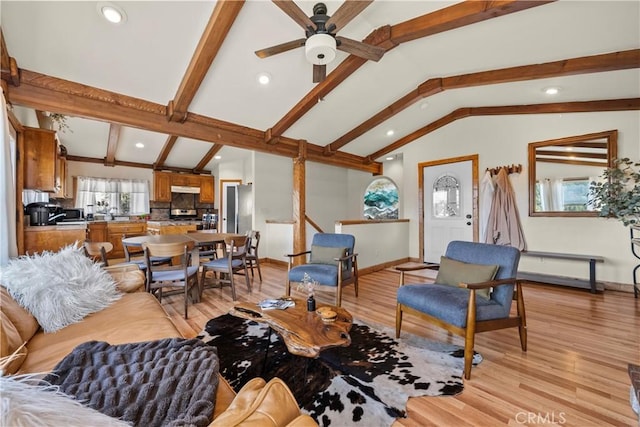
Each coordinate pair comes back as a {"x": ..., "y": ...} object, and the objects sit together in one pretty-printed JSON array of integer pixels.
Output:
[{"x": 195, "y": 240}]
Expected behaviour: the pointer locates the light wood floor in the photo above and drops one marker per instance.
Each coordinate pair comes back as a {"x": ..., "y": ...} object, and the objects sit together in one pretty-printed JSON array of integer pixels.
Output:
[{"x": 573, "y": 374}]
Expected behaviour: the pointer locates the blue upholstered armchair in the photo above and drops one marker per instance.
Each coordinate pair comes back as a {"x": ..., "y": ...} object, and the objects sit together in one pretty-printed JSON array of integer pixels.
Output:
[
  {"x": 473, "y": 293},
  {"x": 331, "y": 262}
]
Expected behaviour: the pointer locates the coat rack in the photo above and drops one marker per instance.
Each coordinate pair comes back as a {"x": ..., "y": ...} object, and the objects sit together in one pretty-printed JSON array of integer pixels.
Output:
[{"x": 510, "y": 169}]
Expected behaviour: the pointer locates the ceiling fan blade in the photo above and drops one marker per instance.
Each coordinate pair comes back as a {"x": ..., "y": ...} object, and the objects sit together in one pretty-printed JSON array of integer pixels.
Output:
[
  {"x": 295, "y": 13},
  {"x": 319, "y": 73},
  {"x": 346, "y": 12},
  {"x": 274, "y": 50},
  {"x": 363, "y": 50}
]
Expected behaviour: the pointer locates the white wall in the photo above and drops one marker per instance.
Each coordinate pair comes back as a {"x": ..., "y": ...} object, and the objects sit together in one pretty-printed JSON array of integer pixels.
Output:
[
  {"x": 357, "y": 183},
  {"x": 378, "y": 243},
  {"x": 503, "y": 140}
]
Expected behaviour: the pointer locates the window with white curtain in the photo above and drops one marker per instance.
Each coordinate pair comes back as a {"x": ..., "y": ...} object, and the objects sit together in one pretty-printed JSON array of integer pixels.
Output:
[
  {"x": 110, "y": 195},
  {"x": 563, "y": 195}
]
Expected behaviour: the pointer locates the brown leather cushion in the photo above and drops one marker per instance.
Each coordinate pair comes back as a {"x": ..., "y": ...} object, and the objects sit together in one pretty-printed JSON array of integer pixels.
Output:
[
  {"x": 24, "y": 322},
  {"x": 128, "y": 277},
  {"x": 262, "y": 404},
  {"x": 133, "y": 318},
  {"x": 12, "y": 355}
]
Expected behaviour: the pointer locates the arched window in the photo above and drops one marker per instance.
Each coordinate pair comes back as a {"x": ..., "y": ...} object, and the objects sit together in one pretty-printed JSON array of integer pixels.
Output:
[
  {"x": 446, "y": 197},
  {"x": 381, "y": 199}
]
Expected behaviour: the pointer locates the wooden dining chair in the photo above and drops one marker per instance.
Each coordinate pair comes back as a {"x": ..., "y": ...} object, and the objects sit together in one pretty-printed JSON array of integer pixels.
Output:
[
  {"x": 253, "y": 260},
  {"x": 226, "y": 267},
  {"x": 134, "y": 254},
  {"x": 177, "y": 275},
  {"x": 98, "y": 251},
  {"x": 206, "y": 252}
]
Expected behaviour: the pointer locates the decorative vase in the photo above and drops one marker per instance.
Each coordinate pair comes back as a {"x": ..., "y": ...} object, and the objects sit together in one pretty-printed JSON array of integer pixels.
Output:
[{"x": 311, "y": 303}]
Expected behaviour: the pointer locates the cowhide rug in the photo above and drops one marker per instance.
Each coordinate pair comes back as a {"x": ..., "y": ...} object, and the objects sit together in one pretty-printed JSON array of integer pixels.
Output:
[{"x": 365, "y": 384}]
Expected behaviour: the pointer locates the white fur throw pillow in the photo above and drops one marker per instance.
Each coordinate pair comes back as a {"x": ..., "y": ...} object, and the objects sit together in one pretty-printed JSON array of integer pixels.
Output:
[
  {"x": 59, "y": 288},
  {"x": 28, "y": 403}
]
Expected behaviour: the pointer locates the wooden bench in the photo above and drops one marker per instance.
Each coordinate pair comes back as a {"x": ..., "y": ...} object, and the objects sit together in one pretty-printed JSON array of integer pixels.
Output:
[{"x": 565, "y": 281}]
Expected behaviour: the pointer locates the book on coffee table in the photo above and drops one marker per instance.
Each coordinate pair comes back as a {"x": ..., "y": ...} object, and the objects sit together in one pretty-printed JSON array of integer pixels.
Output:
[{"x": 276, "y": 303}]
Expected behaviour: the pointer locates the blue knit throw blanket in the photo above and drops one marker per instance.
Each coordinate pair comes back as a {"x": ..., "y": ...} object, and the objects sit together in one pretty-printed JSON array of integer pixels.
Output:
[{"x": 169, "y": 382}]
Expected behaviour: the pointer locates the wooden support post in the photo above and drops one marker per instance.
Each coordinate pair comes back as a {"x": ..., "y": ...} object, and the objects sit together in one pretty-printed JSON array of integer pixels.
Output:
[{"x": 299, "y": 201}]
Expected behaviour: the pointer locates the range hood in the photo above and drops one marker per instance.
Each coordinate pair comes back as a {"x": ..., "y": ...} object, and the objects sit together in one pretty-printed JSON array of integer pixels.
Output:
[{"x": 185, "y": 189}]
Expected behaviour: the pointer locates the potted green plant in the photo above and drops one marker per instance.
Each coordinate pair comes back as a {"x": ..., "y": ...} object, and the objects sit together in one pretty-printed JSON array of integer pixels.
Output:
[
  {"x": 60, "y": 121},
  {"x": 617, "y": 195}
]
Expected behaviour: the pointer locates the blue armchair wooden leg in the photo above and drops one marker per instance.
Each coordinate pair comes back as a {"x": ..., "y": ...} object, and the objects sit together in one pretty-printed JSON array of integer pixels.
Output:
[
  {"x": 522, "y": 328},
  {"x": 469, "y": 339},
  {"x": 398, "y": 319}
]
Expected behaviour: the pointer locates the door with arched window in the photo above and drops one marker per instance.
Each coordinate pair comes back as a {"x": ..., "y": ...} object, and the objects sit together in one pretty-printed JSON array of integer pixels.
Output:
[{"x": 449, "y": 206}]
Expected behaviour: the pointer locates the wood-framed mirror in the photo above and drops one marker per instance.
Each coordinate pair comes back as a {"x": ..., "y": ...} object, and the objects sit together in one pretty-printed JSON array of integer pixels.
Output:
[{"x": 561, "y": 170}]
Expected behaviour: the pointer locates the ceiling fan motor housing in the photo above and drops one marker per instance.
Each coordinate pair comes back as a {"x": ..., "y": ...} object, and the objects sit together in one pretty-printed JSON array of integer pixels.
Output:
[{"x": 320, "y": 49}]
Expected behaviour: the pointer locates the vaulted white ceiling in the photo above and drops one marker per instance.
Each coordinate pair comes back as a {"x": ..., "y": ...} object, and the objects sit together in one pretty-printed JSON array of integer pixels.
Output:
[{"x": 147, "y": 56}]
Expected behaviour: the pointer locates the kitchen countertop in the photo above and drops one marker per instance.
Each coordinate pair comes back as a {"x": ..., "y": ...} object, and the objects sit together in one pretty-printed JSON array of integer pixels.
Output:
[
  {"x": 58, "y": 227},
  {"x": 169, "y": 223},
  {"x": 104, "y": 221}
]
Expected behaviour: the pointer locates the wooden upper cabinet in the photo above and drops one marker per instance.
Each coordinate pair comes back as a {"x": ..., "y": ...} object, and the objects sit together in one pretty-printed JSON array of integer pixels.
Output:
[
  {"x": 162, "y": 186},
  {"x": 61, "y": 178},
  {"x": 40, "y": 160},
  {"x": 162, "y": 182},
  {"x": 179, "y": 179},
  {"x": 207, "y": 193}
]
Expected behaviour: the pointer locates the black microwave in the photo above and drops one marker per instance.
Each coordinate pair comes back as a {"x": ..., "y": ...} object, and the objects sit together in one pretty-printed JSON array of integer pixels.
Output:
[{"x": 76, "y": 214}]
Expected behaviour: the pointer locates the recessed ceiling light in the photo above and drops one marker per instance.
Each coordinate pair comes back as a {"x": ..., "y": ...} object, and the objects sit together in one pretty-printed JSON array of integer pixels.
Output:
[
  {"x": 424, "y": 105},
  {"x": 551, "y": 90},
  {"x": 217, "y": 157},
  {"x": 112, "y": 13},
  {"x": 139, "y": 145},
  {"x": 389, "y": 158},
  {"x": 264, "y": 78},
  {"x": 390, "y": 132}
]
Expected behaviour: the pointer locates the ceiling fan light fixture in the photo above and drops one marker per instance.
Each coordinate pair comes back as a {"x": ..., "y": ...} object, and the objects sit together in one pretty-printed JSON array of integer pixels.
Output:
[{"x": 320, "y": 49}]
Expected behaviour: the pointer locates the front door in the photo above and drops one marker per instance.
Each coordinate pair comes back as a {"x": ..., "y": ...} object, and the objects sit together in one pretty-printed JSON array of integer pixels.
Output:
[{"x": 450, "y": 209}]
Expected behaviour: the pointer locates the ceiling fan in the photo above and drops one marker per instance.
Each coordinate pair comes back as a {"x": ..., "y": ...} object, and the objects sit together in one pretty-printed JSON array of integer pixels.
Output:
[{"x": 321, "y": 40}]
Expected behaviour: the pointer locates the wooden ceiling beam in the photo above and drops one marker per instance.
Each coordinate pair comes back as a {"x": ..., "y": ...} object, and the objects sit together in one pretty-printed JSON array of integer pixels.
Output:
[
  {"x": 560, "y": 107},
  {"x": 47, "y": 93},
  {"x": 131, "y": 164},
  {"x": 207, "y": 157},
  {"x": 112, "y": 145},
  {"x": 458, "y": 15},
  {"x": 8, "y": 65},
  {"x": 164, "y": 153},
  {"x": 448, "y": 18},
  {"x": 624, "y": 60},
  {"x": 222, "y": 18},
  {"x": 43, "y": 119}
]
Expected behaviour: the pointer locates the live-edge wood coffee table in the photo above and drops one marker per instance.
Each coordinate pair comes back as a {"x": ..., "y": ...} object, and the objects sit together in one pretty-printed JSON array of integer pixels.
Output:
[{"x": 303, "y": 332}]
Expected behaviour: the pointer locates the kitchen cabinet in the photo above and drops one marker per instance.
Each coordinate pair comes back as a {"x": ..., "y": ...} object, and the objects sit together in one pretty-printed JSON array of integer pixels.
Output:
[
  {"x": 52, "y": 238},
  {"x": 61, "y": 179},
  {"x": 186, "y": 180},
  {"x": 162, "y": 182},
  {"x": 97, "y": 231},
  {"x": 162, "y": 186},
  {"x": 40, "y": 160},
  {"x": 207, "y": 193},
  {"x": 117, "y": 230}
]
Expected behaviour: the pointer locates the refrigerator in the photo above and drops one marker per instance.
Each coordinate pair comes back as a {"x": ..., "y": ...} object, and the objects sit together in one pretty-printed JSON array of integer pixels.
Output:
[{"x": 245, "y": 208}]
